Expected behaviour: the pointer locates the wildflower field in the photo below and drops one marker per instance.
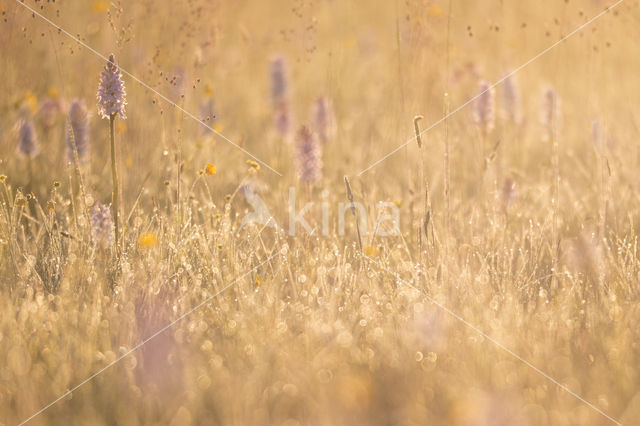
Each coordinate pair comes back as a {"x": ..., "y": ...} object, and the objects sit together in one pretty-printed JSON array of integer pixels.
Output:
[{"x": 319, "y": 212}]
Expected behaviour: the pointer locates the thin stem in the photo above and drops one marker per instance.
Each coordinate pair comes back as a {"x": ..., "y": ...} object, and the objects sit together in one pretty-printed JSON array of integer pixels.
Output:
[
  {"x": 447, "y": 181},
  {"x": 114, "y": 176},
  {"x": 555, "y": 207},
  {"x": 30, "y": 166},
  {"x": 353, "y": 210},
  {"x": 76, "y": 163},
  {"x": 447, "y": 186}
]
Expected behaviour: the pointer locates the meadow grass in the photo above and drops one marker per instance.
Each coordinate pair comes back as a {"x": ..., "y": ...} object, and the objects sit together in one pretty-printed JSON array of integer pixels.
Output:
[{"x": 525, "y": 228}]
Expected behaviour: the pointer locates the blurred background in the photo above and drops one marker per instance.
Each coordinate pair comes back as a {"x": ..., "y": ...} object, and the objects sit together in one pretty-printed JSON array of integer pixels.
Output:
[{"x": 323, "y": 337}]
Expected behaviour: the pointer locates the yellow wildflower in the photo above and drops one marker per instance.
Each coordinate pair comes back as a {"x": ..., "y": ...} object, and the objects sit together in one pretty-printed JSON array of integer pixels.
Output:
[
  {"x": 254, "y": 165},
  {"x": 434, "y": 10},
  {"x": 210, "y": 169},
  {"x": 257, "y": 282},
  {"x": 31, "y": 101},
  {"x": 53, "y": 93},
  {"x": 100, "y": 6},
  {"x": 147, "y": 240},
  {"x": 371, "y": 251}
]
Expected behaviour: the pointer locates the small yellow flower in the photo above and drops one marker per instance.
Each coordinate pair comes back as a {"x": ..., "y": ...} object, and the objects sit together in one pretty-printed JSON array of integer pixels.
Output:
[
  {"x": 397, "y": 203},
  {"x": 147, "y": 240},
  {"x": 257, "y": 282},
  {"x": 31, "y": 101},
  {"x": 371, "y": 251},
  {"x": 53, "y": 93},
  {"x": 254, "y": 165},
  {"x": 435, "y": 11},
  {"x": 217, "y": 127},
  {"x": 3, "y": 178},
  {"x": 51, "y": 205},
  {"x": 210, "y": 169},
  {"x": 100, "y": 6},
  {"x": 208, "y": 89}
]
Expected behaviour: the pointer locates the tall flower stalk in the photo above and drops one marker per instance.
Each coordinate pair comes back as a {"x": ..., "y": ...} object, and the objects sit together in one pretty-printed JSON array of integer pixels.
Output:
[
  {"x": 511, "y": 100},
  {"x": 78, "y": 132},
  {"x": 550, "y": 116},
  {"x": 484, "y": 116},
  {"x": 280, "y": 96},
  {"x": 28, "y": 146},
  {"x": 78, "y": 142},
  {"x": 308, "y": 156},
  {"x": 484, "y": 112},
  {"x": 111, "y": 103},
  {"x": 323, "y": 119},
  {"x": 28, "y": 141}
]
